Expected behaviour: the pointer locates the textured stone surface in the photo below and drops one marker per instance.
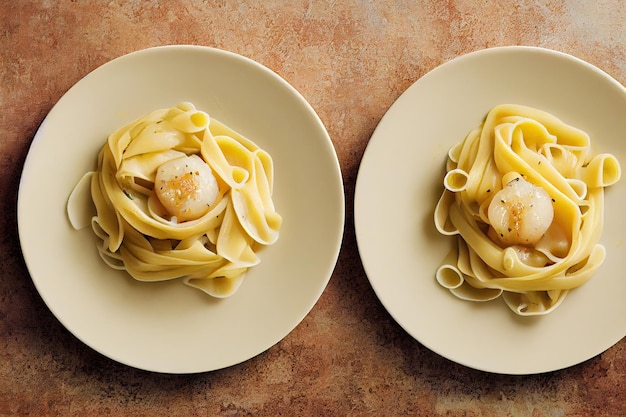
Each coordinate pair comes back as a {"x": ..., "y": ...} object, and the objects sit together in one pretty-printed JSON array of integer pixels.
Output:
[{"x": 351, "y": 60}]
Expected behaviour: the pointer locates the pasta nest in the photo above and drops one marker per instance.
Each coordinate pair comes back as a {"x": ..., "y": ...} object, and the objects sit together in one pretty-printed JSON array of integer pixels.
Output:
[
  {"x": 521, "y": 142},
  {"x": 211, "y": 252}
]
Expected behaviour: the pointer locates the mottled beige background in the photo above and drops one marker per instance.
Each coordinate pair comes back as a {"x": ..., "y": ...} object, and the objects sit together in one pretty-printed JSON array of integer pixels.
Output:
[{"x": 351, "y": 60}]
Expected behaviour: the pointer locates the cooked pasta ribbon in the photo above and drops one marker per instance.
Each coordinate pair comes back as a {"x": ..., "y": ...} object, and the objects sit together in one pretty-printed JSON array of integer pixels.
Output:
[
  {"x": 523, "y": 196},
  {"x": 179, "y": 195}
]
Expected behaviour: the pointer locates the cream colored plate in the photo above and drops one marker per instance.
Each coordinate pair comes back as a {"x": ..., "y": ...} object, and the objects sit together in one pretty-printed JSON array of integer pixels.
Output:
[
  {"x": 169, "y": 327},
  {"x": 399, "y": 182}
]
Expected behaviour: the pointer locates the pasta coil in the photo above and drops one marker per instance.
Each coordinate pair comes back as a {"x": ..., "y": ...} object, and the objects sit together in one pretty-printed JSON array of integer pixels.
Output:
[
  {"x": 521, "y": 142},
  {"x": 211, "y": 251}
]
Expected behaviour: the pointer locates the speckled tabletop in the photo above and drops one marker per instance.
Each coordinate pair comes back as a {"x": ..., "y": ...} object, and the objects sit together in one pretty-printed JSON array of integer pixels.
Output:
[{"x": 350, "y": 60}]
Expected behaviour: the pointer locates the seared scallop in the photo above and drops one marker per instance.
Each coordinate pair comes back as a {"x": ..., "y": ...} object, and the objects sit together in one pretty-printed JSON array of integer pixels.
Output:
[
  {"x": 186, "y": 187},
  {"x": 520, "y": 213}
]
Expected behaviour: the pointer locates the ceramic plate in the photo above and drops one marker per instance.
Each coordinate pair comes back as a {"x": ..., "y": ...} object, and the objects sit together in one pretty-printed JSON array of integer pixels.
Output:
[
  {"x": 400, "y": 180},
  {"x": 169, "y": 327}
]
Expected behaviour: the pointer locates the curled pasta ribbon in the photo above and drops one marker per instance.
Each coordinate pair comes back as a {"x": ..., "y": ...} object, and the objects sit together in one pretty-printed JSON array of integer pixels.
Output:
[
  {"x": 139, "y": 234},
  {"x": 518, "y": 143},
  {"x": 456, "y": 180}
]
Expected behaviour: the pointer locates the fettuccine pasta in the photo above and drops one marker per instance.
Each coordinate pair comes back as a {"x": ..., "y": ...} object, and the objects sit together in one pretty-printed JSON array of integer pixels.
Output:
[
  {"x": 179, "y": 195},
  {"x": 524, "y": 197}
]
